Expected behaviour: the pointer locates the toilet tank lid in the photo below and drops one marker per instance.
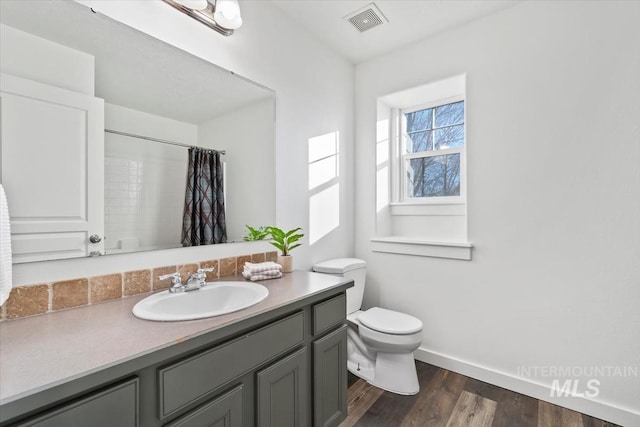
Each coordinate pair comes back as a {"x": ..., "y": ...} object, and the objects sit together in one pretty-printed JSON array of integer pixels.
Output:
[{"x": 339, "y": 265}]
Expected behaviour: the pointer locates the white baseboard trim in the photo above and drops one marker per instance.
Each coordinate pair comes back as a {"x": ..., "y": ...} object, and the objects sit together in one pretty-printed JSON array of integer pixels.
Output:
[{"x": 603, "y": 410}]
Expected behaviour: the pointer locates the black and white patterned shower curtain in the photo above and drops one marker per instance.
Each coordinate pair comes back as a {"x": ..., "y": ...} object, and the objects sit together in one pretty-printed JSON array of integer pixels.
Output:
[{"x": 204, "y": 217}]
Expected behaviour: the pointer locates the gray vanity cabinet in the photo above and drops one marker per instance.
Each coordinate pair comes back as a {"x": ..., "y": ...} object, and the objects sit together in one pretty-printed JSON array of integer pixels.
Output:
[
  {"x": 330, "y": 378},
  {"x": 282, "y": 392},
  {"x": 283, "y": 368},
  {"x": 329, "y": 362},
  {"x": 115, "y": 405},
  {"x": 191, "y": 379},
  {"x": 225, "y": 411}
]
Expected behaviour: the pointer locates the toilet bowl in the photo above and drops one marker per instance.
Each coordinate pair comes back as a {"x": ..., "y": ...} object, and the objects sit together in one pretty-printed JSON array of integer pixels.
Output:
[{"x": 380, "y": 342}]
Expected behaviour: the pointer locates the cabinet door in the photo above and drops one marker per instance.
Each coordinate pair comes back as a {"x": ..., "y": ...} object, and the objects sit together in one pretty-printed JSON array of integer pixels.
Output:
[
  {"x": 283, "y": 392},
  {"x": 225, "y": 411},
  {"x": 52, "y": 167},
  {"x": 330, "y": 378}
]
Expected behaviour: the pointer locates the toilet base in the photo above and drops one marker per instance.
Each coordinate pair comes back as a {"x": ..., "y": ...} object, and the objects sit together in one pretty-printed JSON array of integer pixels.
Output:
[
  {"x": 396, "y": 373},
  {"x": 366, "y": 374},
  {"x": 395, "y": 370},
  {"x": 392, "y": 372}
]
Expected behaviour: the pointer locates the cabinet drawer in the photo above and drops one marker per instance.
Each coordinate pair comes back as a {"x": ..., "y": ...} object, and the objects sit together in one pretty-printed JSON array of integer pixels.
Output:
[
  {"x": 115, "y": 406},
  {"x": 329, "y": 313},
  {"x": 225, "y": 410},
  {"x": 184, "y": 382}
]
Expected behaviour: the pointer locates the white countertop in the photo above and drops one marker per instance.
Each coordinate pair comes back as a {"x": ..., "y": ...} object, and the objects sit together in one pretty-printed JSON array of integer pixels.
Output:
[{"x": 39, "y": 352}]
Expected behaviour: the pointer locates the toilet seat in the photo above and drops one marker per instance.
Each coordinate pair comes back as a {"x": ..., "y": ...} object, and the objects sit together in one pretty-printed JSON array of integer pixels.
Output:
[{"x": 389, "y": 321}]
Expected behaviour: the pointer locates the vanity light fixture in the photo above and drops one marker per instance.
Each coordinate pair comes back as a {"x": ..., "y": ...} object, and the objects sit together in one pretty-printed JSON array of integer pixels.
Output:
[{"x": 220, "y": 15}]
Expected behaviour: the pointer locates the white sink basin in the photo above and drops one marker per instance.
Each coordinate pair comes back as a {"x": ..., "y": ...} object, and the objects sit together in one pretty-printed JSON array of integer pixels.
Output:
[{"x": 214, "y": 299}]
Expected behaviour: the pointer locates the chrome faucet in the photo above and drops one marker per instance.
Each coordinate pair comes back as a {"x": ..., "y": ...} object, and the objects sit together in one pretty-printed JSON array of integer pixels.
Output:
[
  {"x": 176, "y": 282},
  {"x": 197, "y": 279},
  {"x": 194, "y": 282}
]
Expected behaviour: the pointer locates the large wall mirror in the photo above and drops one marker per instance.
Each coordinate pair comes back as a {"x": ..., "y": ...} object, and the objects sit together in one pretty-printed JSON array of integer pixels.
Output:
[{"x": 97, "y": 121}]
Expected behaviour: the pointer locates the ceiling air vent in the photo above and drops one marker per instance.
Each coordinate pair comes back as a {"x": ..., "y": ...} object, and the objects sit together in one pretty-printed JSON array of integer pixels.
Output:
[{"x": 366, "y": 18}]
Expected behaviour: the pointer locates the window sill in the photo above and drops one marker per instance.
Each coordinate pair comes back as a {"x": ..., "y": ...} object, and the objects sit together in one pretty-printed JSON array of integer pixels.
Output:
[
  {"x": 418, "y": 247},
  {"x": 428, "y": 209}
]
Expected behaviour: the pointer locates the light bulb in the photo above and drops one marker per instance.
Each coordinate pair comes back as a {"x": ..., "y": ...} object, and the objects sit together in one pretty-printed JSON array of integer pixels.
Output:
[{"x": 227, "y": 14}]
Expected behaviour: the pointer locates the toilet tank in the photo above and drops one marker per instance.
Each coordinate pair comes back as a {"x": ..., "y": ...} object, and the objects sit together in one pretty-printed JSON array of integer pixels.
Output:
[{"x": 351, "y": 269}]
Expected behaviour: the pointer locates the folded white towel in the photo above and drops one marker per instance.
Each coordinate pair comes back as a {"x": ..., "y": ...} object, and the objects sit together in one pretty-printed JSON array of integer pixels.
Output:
[
  {"x": 253, "y": 268},
  {"x": 268, "y": 273},
  {"x": 256, "y": 277},
  {"x": 5, "y": 249}
]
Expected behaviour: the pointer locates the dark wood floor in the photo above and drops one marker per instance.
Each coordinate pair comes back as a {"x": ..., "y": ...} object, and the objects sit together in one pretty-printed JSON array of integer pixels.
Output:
[{"x": 448, "y": 399}]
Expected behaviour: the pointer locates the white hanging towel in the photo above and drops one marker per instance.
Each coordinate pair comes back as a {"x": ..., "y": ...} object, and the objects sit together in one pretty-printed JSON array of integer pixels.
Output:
[{"x": 5, "y": 248}]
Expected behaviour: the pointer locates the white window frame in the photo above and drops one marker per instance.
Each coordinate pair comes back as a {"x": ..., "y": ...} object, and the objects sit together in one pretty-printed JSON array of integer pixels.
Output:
[{"x": 403, "y": 157}]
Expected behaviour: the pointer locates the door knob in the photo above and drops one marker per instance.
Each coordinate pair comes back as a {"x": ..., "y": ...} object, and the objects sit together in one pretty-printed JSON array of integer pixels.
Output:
[{"x": 94, "y": 238}]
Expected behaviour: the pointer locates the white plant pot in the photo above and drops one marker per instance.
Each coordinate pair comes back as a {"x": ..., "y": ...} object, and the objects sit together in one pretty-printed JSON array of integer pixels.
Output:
[{"x": 286, "y": 261}]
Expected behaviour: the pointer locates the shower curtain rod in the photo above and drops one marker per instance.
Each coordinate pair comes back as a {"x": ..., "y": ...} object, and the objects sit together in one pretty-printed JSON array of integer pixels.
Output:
[{"x": 164, "y": 141}]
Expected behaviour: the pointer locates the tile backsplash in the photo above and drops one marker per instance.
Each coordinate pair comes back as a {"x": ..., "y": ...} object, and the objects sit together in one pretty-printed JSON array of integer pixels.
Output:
[{"x": 32, "y": 299}]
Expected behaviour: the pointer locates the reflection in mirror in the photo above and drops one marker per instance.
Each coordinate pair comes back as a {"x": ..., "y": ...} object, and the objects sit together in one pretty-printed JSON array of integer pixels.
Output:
[
  {"x": 141, "y": 178},
  {"x": 97, "y": 120}
]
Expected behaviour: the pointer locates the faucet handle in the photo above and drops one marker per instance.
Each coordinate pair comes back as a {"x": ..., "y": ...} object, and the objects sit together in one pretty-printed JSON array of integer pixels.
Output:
[
  {"x": 201, "y": 275},
  {"x": 176, "y": 281},
  {"x": 175, "y": 278}
]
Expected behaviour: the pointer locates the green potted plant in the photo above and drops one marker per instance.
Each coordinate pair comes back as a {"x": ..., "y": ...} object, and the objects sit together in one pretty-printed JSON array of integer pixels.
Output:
[
  {"x": 285, "y": 241},
  {"x": 254, "y": 234}
]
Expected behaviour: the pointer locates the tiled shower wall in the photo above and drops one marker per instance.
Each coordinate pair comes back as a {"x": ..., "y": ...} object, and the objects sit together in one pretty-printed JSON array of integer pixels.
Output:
[
  {"x": 144, "y": 194},
  {"x": 30, "y": 300}
]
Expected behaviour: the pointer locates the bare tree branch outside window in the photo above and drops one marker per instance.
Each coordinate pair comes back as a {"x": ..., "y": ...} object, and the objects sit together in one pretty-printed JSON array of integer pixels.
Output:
[{"x": 428, "y": 132}]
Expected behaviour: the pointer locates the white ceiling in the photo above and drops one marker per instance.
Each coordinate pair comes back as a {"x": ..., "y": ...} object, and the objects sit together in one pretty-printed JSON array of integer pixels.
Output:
[
  {"x": 409, "y": 21},
  {"x": 155, "y": 78}
]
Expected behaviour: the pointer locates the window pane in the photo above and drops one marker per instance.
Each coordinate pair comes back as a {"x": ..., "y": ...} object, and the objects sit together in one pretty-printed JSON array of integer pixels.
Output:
[
  {"x": 450, "y": 114},
  {"x": 419, "y": 120},
  {"x": 419, "y": 141},
  {"x": 449, "y": 137},
  {"x": 435, "y": 176}
]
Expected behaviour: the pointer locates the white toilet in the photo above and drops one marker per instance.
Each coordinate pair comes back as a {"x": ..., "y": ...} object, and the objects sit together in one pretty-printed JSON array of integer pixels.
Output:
[{"x": 380, "y": 342}]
